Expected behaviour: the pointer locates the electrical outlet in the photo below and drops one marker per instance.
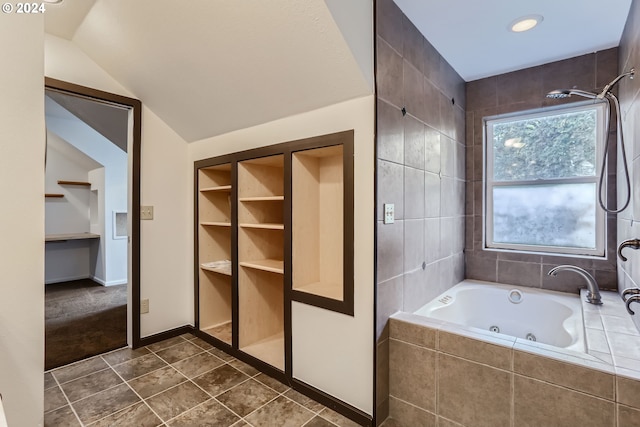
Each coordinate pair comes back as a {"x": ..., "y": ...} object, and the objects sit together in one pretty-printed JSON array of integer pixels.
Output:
[
  {"x": 144, "y": 306},
  {"x": 146, "y": 212},
  {"x": 389, "y": 214}
]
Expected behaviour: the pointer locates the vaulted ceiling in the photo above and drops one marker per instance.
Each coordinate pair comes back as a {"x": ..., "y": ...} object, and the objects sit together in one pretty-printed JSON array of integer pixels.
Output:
[{"x": 209, "y": 67}]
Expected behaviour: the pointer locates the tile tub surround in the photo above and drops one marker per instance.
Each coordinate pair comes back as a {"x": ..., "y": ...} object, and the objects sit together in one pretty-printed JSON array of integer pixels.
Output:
[
  {"x": 182, "y": 381},
  {"x": 474, "y": 378}
]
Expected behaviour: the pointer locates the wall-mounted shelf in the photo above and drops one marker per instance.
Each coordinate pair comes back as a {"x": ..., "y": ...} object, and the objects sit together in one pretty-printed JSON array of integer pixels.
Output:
[
  {"x": 54, "y": 195},
  {"x": 81, "y": 183},
  {"x": 221, "y": 188},
  {"x": 264, "y": 226},
  {"x": 216, "y": 224},
  {"x": 271, "y": 265},
  {"x": 70, "y": 236}
]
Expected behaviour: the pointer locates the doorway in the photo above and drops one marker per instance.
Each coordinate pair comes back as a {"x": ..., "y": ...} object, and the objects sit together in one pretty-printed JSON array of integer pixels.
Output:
[{"x": 92, "y": 250}]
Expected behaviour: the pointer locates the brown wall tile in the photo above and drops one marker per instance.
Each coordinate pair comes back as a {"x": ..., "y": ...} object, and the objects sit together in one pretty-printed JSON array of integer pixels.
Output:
[
  {"x": 390, "y": 133},
  {"x": 408, "y": 415},
  {"x": 389, "y": 74},
  {"x": 412, "y": 368},
  {"x": 475, "y": 350},
  {"x": 473, "y": 394},
  {"x": 628, "y": 417},
  {"x": 568, "y": 375},
  {"x": 537, "y": 403},
  {"x": 628, "y": 392},
  {"x": 411, "y": 333}
]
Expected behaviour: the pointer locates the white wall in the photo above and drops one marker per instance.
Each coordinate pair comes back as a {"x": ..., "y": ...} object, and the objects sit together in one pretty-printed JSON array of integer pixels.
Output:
[
  {"x": 113, "y": 193},
  {"x": 166, "y": 278},
  {"x": 70, "y": 260},
  {"x": 22, "y": 218},
  {"x": 332, "y": 352}
]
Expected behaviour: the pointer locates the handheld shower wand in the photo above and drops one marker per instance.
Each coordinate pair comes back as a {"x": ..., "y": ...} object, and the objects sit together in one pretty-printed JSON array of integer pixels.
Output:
[{"x": 607, "y": 96}]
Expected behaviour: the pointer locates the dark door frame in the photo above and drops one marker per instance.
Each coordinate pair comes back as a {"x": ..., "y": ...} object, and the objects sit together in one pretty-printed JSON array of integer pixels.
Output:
[{"x": 136, "y": 107}]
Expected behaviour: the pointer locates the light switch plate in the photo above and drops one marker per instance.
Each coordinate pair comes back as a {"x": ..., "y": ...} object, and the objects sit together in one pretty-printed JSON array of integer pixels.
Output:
[
  {"x": 146, "y": 212},
  {"x": 389, "y": 213},
  {"x": 144, "y": 306}
]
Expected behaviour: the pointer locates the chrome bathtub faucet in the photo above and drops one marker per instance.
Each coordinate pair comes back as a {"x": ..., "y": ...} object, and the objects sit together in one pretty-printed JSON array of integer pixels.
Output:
[
  {"x": 633, "y": 298},
  {"x": 631, "y": 243},
  {"x": 629, "y": 291},
  {"x": 593, "y": 294}
]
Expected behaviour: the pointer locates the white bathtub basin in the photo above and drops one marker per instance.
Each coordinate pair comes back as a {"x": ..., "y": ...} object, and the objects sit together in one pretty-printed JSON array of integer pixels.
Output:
[{"x": 549, "y": 317}]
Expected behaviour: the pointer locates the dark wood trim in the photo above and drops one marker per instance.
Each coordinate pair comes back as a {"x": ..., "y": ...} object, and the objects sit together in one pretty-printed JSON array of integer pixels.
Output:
[
  {"x": 331, "y": 402},
  {"x": 286, "y": 149},
  {"x": 152, "y": 339},
  {"x": 346, "y": 139},
  {"x": 197, "y": 165},
  {"x": 288, "y": 269},
  {"x": 136, "y": 107}
]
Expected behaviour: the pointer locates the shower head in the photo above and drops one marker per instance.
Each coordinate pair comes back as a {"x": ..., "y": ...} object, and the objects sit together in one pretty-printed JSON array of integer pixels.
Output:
[
  {"x": 613, "y": 82},
  {"x": 558, "y": 94},
  {"x": 565, "y": 93}
]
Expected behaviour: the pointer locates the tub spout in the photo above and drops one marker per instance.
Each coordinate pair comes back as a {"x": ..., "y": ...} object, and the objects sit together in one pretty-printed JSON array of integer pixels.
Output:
[
  {"x": 631, "y": 243},
  {"x": 633, "y": 298},
  {"x": 629, "y": 291},
  {"x": 593, "y": 294}
]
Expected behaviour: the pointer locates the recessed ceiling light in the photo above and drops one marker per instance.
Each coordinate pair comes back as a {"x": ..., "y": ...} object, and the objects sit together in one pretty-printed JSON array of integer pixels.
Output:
[
  {"x": 52, "y": 1},
  {"x": 525, "y": 23}
]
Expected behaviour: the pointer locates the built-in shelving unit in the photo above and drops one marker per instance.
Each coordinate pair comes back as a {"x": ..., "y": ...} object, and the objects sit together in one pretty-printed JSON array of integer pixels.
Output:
[
  {"x": 261, "y": 258},
  {"x": 274, "y": 225},
  {"x": 215, "y": 293}
]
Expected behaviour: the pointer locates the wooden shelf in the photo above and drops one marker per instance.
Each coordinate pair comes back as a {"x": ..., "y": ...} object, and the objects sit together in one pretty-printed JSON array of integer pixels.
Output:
[
  {"x": 264, "y": 226},
  {"x": 215, "y": 224},
  {"x": 54, "y": 195},
  {"x": 269, "y": 349},
  {"x": 271, "y": 265},
  {"x": 222, "y": 188},
  {"x": 261, "y": 199},
  {"x": 220, "y": 270},
  {"x": 70, "y": 236},
  {"x": 82, "y": 183}
]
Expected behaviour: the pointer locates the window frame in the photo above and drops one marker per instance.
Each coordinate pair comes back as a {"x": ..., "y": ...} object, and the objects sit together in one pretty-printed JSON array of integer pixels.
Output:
[{"x": 600, "y": 250}]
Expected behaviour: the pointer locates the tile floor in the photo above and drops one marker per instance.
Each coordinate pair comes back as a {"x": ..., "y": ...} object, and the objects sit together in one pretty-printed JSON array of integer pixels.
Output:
[{"x": 182, "y": 381}]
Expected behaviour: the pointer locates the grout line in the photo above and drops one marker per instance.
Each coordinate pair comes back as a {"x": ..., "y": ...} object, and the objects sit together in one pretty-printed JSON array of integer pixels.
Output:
[
  {"x": 140, "y": 397},
  {"x": 69, "y": 403}
]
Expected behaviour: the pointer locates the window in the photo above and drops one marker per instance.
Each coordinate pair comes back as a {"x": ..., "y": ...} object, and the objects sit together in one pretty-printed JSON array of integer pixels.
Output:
[{"x": 541, "y": 173}]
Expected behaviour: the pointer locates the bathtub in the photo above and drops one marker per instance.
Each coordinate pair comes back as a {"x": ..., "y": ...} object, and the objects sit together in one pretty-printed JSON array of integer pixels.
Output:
[{"x": 547, "y": 317}]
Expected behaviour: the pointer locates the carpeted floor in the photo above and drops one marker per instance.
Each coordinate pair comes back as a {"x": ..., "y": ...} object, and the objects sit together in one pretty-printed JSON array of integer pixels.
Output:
[{"x": 83, "y": 319}]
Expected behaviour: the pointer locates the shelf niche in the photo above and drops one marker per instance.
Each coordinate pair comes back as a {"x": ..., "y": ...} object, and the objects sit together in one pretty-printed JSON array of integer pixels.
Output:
[
  {"x": 215, "y": 290},
  {"x": 317, "y": 222},
  {"x": 261, "y": 259},
  {"x": 322, "y": 226}
]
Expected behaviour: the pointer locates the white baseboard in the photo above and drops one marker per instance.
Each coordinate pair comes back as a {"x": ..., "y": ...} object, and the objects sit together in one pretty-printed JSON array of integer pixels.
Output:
[
  {"x": 66, "y": 279},
  {"x": 109, "y": 283}
]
